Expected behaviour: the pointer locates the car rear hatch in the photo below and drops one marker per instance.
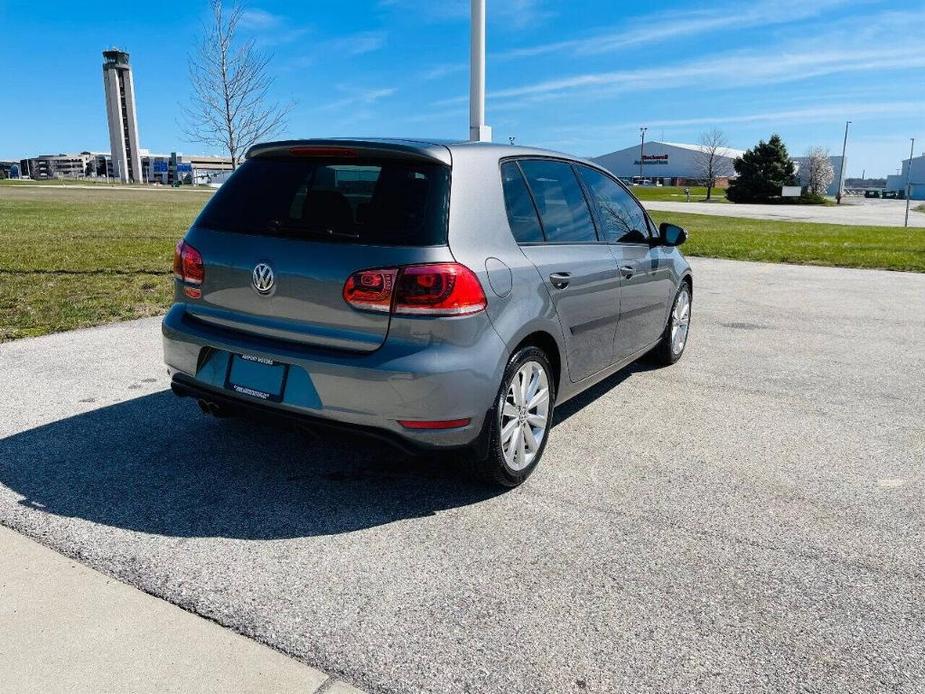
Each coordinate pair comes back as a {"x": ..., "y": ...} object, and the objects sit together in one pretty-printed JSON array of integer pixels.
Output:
[{"x": 282, "y": 235}]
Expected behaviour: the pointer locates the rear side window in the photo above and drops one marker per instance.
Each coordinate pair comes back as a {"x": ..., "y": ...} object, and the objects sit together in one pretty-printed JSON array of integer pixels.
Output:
[
  {"x": 621, "y": 217},
  {"x": 520, "y": 210},
  {"x": 560, "y": 200},
  {"x": 384, "y": 201}
]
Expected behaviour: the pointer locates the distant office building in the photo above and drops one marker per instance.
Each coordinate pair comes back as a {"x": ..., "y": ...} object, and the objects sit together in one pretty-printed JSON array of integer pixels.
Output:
[
  {"x": 802, "y": 167},
  {"x": 59, "y": 166},
  {"x": 896, "y": 183},
  {"x": 123, "y": 122},
  {"x": 185, "y": 168},
  {"x": 669, "y": 163},
  {"x": 165, "y": 169}
]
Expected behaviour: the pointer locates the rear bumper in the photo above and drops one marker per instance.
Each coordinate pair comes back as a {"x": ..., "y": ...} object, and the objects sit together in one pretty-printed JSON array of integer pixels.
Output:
[{"x": 408, "y": 378}]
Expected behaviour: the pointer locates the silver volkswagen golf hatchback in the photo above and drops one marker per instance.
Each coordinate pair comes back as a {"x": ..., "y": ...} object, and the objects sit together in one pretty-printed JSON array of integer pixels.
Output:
[{"x": 443, "y": 296}]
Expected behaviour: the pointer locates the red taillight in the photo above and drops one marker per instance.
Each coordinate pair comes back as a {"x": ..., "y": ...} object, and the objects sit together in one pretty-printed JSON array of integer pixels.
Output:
[
  {"x": 434, "y": 424},
  {"x": 434, "y": 289},
  {"x": 439, "y": 289},
  {"x": 371, "y": 289},
  {"x": 187, "y": 264}
]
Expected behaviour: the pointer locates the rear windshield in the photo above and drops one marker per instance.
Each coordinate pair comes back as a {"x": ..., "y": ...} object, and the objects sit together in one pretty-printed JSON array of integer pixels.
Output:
[{"x": 384, "y": 201}]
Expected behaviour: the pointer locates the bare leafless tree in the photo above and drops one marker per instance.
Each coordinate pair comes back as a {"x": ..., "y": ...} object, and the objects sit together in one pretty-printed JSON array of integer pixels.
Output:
[
  {"x": 229, "y": 107},
  {"x": 817, "y": 173},
  {"x": 713, "y": 160}
]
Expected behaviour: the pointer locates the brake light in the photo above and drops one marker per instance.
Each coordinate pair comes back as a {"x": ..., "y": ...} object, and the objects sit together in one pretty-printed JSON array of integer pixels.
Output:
[
  {"x": 439, "y": 289},
  {"x": 322, "y": 151},
  {"x": 433, "y": 289},
  {"x": 187, "y": 264},
  {"x": 371, "y": 289}
]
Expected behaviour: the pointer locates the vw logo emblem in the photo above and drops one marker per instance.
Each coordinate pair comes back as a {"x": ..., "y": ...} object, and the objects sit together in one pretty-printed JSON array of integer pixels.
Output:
[{"x": 263, "y": 278}]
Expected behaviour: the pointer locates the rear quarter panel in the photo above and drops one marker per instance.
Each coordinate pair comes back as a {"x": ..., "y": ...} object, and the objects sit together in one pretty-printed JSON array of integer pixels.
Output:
[{"x": 479, "y": 231}]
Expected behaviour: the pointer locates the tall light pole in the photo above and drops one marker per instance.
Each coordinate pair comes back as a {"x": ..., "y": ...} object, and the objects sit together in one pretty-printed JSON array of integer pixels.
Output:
[
  {"x": 841, "y": 168},
  {"x": 478, "y": 131},
  {"x": 642, "y": 144},
  {"x": 908, "y": 177}
]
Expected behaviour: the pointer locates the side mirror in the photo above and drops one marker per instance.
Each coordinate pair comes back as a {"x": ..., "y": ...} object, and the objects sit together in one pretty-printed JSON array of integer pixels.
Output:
[{"x": 671, "y": 234}]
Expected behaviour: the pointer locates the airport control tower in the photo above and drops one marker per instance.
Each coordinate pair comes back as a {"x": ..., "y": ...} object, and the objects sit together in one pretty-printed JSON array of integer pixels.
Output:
[{"x": 120, "y": 110}]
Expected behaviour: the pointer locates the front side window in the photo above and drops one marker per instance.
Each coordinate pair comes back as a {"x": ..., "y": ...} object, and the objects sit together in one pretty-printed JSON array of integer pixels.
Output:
[
  {"x": 621, "y": 217},
  {"x": 560, "y": 201},
  {"x": 521, "y": 213}
]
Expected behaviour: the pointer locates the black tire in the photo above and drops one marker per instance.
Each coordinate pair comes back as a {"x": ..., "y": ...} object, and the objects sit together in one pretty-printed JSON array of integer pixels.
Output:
[
  {"x": 493, "y": 467},
  {"x": 663, "y": 354}
]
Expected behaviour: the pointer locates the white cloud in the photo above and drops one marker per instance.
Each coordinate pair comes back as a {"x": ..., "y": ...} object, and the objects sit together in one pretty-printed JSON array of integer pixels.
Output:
[
  {"x": 357, "y": 44},
  {"x": 660, "y": 27},
  {"x": 443, "y": 70},
  {"x": 516, "y": 14},
  {"x": 270, "y": 29},
  {"x": 359, "y": 97},
  {"x": 260, "y": 20},
  {"x": 823, "y": 114},
  {"x": 772, "y": 65}
]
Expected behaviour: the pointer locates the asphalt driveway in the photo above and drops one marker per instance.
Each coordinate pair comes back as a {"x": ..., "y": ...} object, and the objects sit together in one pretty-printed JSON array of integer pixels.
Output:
[
  {"x": 750, "y": 519},
  {"x": 853, "y": 211}
]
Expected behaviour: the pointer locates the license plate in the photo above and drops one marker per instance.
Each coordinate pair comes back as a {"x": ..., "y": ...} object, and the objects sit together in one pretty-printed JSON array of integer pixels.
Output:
[{"x": 257, "y": 377}]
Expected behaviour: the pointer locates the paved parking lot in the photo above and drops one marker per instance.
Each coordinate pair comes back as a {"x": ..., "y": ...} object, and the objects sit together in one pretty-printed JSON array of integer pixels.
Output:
[
  {"x": 750, "y": 519},
  {"x": 853, "y": 211}
]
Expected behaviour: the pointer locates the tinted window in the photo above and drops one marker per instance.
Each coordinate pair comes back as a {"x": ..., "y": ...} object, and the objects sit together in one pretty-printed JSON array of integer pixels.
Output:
[
  {"x": 621, "y": 216},
  {"x": 561, "y": 203},
  {"x": 520, "y": 210},
  {"x": 393, "y": 202}
]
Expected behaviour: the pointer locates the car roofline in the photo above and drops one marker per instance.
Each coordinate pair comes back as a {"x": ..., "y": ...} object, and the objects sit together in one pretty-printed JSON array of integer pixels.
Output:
[{"x": 432, "y": 149}]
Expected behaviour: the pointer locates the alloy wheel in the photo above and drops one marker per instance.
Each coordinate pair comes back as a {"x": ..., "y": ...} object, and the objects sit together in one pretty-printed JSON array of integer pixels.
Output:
[
  {"x": 524, "y": 411},
  {"x": 680, "y": 321}
]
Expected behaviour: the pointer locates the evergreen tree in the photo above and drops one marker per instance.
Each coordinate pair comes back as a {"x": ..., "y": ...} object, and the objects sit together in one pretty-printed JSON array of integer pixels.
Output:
[{"x": 762, "y": 171}]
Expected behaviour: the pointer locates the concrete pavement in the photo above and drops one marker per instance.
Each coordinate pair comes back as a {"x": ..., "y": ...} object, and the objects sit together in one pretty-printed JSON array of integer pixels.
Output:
[
  {"x": 750, "y": 519},
  {"x": 66, "y": 627},
  {"x": 853, "y": 211}
]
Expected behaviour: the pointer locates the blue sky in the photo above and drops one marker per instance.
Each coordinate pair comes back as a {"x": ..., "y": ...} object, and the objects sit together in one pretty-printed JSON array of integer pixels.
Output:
[{"x": 575, "y": 75}]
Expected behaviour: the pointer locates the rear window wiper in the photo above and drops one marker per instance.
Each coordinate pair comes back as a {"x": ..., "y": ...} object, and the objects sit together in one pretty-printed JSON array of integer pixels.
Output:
[{"x": 274, "y": 227}]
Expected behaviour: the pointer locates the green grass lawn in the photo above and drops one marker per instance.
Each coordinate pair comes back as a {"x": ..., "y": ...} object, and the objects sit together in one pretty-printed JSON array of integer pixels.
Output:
[
  {"x": 73, "y": 258},
  {"x": 803, "y": 243},
  {"x": 676, "y": 194}
]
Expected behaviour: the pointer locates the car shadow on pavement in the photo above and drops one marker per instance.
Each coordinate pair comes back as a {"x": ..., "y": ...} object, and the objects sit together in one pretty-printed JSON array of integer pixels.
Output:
[
  {"x": 157, "y": 465},
  {"x": 598, "y": 390}
]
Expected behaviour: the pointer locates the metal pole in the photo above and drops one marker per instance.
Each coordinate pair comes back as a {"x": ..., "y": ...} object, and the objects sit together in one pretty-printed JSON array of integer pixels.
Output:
[
  {"x": 908, "y": 177},
  {"x": 478, "y": 131},
  {"x": 841, "y": 168},
  {"x": 642, "y": 144}
]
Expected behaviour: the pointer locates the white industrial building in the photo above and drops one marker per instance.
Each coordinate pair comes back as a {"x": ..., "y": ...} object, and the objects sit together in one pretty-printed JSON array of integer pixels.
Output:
[
  {"x": 897, "y": 182},
  {"x": 676, "y": 163},
  {"x": 668, "y": 163}
]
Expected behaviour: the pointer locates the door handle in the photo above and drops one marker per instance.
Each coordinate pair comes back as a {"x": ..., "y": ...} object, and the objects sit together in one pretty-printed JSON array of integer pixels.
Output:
[
  {"x": 560, "y": 280},
  {"x": 627, "y": 271}
]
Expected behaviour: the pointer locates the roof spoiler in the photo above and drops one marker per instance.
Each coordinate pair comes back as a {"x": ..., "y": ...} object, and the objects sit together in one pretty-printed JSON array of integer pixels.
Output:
[{"x": 353, "y": 149}]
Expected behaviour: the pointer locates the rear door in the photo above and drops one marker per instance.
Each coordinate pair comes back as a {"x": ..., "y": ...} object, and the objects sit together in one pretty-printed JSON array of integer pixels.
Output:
[
  {"x": 578, "y": 270},
  {"x": 644, "y": 292},
  {"x": 282, "y": 235}
]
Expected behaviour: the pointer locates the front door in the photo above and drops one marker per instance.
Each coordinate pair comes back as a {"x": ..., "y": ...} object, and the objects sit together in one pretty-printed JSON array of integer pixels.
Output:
[{"x": 643, "y": 293}]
